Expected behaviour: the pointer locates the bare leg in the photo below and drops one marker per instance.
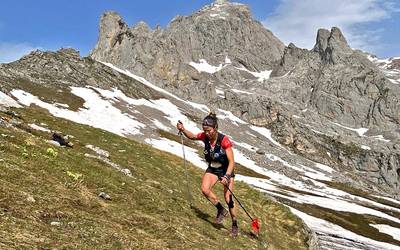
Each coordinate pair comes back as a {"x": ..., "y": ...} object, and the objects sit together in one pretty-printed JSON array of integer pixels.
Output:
[
  {"x": 232, "y": 208},
  {"x": 229, "y": 200},
  {"x": 207, "y": 183}
]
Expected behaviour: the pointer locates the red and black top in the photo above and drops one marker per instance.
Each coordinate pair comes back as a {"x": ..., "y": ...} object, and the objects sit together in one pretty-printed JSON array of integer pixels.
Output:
[{"x": 216, "y": 152}]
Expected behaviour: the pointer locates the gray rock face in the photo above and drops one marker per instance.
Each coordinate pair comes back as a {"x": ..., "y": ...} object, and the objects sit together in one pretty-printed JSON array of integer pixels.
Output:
[
  {"x": 114, "y": 28},
  {"x": 215, "y": 32},
  {"x": 345, "y": 89},
  {"x": 343, "y": 85},
  {"x": 395, "y": 64}
]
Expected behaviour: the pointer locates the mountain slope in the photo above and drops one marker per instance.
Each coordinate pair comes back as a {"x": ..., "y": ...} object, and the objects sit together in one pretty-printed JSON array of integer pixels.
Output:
[
  {"x": 50, "y": 197},
  {"x": 310, "y": 189},
  {"x": 316, "y": 130}
]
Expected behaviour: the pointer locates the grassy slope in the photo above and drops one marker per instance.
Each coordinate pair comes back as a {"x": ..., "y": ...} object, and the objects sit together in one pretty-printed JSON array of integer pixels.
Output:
[{"x": 148, "y": 211}]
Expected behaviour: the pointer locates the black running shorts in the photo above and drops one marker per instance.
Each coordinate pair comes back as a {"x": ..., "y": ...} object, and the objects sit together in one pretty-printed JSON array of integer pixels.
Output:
[{"x": 221, "y": 171}]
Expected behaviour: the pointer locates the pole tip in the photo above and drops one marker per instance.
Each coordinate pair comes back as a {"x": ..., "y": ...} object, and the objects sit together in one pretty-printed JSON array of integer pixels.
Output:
[{"x": 255, "y": 226}]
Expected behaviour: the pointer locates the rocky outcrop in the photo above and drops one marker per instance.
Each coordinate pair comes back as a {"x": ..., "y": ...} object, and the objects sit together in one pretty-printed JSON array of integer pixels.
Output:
[
  {"x": 378, "y": 164},
  {"x": 395, "y": 64},
  {"x": 332, "y": 46},
  {"x": 345, "y": 89},
  {"x": 216, "y": 32},
  {"x": 343, "y": 85},
  {"x": 60, "y": 70}
]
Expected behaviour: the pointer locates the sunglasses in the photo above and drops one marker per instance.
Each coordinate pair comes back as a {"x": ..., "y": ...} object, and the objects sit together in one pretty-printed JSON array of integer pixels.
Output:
[{"x": 209, "y": 123}]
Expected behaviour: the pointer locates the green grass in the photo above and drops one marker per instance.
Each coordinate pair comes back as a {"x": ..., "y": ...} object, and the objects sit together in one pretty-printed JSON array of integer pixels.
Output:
[
  {"x": 52, "y": 94},
  {"x": 147, "y": 211}
]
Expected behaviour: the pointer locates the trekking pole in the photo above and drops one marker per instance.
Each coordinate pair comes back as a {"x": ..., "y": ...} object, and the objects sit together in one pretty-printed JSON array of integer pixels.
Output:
[
  {"x": 255, "y": 223},
  {"x": 186, "y": 171}
]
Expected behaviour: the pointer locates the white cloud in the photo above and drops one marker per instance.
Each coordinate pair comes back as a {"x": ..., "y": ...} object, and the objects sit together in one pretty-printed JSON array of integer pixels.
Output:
[
  {"x": 13, "y": 51},
  {"x": 298, "y": 21}
]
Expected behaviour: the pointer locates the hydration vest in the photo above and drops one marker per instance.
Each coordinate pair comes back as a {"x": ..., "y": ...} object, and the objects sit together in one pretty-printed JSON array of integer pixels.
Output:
[{"x": 216, "y": 155}]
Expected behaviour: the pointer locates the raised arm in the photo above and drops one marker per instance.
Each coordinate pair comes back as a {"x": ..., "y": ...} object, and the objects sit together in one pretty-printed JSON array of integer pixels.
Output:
[{"x": 186, "y": 132}]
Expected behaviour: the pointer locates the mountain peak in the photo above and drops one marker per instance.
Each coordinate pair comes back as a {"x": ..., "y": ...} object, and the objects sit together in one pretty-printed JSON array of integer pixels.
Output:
[
  {"x": 221, "y": 1},
  {"x": 331, "y": 45},
  {"x": 69, "y": 52},
  {"x": 141, "y": 27},
  {"x": 111, "y": 20},
  {"x": 111, "y": 27},
  {"x": 220, "y": 29},
  {"x": 223, "y": 9}
]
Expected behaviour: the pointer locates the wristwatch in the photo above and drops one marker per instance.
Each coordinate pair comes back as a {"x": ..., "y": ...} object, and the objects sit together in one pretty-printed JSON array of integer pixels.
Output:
[{"x": 227, "y": 176}]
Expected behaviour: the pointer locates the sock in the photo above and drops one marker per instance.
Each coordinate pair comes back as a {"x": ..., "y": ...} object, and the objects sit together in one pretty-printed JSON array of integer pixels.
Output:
[
  {"x": 219, "y": 206},
  {"x": 234, "y": 223}
]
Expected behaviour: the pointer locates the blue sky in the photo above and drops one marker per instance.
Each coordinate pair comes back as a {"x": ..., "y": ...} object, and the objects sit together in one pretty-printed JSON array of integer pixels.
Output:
[{"x": 371, "y": 25}]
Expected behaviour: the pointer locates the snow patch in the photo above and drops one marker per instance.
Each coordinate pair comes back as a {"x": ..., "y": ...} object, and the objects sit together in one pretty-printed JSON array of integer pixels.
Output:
[
  {"x": 246, "y": 146},
  {"x": 98, "y": 150},
  {"x": 374, "y": 59},
  {"x": 266, "y": 133},
  {"x": 203, "y": 66},
  {"x": 386, "y": 229},
  {"x": 324, "y": 167},
  {"x": 217, "y": 15},
  {"x": 220, "y": 92},
  {"x": 61, "y": 105},
  {"x": 201, "y": 107},
  {"x": 175, "y": 148},
  {"x": 262, "y": 76},
  {"x": 338, "y": 205},
  {"x": 327, "y": 228},
  {"x": 97, "y": 113},
  {"x": 164, "y": 105},
  {"x": 304, "y": 170},
  {"x": 242, "y": 92},
  {"x": 160, "y": 125},
  {"x": 388, "y": 199},
  {"x": 7, "y": 101},
  {"x": 380, "y": 138},
  {"x": 365, "y": 147},
  {"x": 37, "y": 127},
  {"x": 228, "y": 115},
  {"x": 359, "y": 131}
]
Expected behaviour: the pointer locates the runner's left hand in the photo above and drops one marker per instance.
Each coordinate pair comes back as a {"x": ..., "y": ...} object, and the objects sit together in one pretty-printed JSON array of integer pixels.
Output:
[{"x": 224, "y": 181}]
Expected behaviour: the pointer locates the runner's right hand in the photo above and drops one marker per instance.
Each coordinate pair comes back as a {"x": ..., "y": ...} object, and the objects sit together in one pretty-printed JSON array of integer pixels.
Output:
[{"x": 179, "y": 126}]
